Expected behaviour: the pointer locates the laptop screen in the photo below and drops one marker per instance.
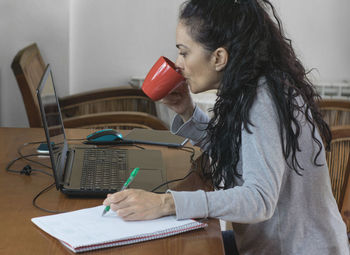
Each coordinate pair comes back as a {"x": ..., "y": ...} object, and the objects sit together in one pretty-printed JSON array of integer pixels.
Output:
[{"x": 52, "y": 122}]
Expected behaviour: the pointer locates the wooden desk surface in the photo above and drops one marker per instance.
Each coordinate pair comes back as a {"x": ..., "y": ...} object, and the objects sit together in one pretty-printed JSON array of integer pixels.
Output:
[{"x": 19, "y": 235}]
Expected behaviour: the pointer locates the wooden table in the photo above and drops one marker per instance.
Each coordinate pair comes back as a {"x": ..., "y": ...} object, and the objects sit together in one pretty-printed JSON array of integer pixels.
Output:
[{"x": 18, "y": 235}]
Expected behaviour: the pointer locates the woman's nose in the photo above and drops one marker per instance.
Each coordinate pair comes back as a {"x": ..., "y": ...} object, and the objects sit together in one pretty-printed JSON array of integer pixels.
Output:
[{"x": 179, "y": 64}]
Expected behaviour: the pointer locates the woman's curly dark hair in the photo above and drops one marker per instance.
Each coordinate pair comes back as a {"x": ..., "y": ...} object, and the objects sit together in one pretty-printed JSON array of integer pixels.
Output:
[{"x": 257, "y": 47}]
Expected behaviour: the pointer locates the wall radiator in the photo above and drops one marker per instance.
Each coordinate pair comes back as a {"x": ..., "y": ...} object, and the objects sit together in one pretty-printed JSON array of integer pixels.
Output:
[{"x": 335, "y": 90}]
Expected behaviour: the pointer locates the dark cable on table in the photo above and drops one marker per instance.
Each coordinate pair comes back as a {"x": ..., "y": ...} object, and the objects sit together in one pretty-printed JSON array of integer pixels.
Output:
[
  {"x": 191, "y": 150},
  {"x": 38, "y": 154},
  {"x": 27, "y": 169},
  {"x": 187, "y": 149},
  {"x": 171, "y": 181},
  {"x": 39, "y": 194}
]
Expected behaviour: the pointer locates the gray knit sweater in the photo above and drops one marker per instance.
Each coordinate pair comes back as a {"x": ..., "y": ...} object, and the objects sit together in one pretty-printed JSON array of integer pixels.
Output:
[{"x": 274, "y": 210}]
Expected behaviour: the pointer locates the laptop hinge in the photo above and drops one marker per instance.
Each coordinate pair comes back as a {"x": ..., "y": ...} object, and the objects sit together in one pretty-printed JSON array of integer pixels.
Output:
[{"x": 68, "y": 167}]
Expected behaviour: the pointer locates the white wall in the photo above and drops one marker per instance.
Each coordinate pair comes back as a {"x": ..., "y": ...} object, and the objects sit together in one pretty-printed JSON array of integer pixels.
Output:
[
  {"x": 320, "y": 31},
  {"x": 23, "y": 22},
  {"x": 111, "y": 41},
  {"x": 101, "y": 43}
]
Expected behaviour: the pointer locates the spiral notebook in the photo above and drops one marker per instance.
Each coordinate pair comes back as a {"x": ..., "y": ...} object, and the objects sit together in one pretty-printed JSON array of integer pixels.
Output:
[{"x": 86, "y": 230}]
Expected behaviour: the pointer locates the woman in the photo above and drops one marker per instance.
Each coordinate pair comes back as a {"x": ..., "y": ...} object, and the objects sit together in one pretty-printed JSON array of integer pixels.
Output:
[{"x": 265, "y": 139}]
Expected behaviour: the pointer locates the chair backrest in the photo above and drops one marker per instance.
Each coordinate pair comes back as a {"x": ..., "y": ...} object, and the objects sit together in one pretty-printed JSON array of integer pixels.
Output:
[
  {"x": 335, "y": 112},
  {"x": 338, "y": 162},
  {"x": 108, "y": 103},
  {"x": 116, "y": 120},
  {"x": 28, "y": 67}
]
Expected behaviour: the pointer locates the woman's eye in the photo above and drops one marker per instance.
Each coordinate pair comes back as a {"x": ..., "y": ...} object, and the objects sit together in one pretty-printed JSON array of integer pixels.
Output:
[{"x": 183, "y": 54}]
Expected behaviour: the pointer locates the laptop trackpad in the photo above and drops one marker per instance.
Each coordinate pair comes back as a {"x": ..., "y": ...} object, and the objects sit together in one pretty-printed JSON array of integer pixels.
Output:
[{"x": 152, "y": 170}]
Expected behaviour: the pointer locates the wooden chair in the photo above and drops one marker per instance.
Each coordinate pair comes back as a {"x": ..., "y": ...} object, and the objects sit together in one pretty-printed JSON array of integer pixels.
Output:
[
  {"x": 339, "y": 169},
  {"x": 335, "y": 112},
  {"x": 125, "y": 105}
]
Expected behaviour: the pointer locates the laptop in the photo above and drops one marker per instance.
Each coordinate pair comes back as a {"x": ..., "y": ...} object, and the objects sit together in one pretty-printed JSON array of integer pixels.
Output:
[{"x": 85, "y": 170}]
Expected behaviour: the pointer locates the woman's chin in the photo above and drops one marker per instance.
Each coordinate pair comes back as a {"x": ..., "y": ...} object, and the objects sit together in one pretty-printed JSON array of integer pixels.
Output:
[
  {"x": 193, "y": 89},
  {"x": 196, "y": 91}
]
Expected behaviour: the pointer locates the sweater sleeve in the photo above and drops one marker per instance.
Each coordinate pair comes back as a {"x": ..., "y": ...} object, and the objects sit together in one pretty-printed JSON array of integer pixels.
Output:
[
  {"x": 263, "y": 166},
  {"x": 194, "y": 128}
]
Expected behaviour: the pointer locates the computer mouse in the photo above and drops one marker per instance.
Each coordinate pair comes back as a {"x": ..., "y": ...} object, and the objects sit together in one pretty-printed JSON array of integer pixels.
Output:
[{"x": 105, "y": 135}]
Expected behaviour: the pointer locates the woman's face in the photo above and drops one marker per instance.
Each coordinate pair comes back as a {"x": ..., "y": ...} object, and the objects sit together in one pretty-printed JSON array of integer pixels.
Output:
[{"x": 197, "y": 65}]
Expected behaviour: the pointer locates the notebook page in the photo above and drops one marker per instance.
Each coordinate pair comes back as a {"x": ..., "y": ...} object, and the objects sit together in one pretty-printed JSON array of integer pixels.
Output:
[{"x": 87, "y": 226}]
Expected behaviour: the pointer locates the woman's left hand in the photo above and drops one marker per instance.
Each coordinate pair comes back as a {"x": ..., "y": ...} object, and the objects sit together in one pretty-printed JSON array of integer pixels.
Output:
[{"x": 136, "y": 204}]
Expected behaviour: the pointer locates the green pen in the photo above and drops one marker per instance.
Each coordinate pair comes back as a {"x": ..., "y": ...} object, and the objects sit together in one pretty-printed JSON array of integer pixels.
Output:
[{"x": 126, "y": 184}]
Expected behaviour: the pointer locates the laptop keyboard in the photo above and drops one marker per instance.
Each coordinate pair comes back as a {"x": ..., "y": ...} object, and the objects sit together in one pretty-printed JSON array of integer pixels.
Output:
[{"x": 104, "y": 169}]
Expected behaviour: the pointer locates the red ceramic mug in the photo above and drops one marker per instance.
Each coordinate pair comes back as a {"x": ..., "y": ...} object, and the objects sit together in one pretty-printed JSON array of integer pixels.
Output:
[{"x": 161, "y": 79}]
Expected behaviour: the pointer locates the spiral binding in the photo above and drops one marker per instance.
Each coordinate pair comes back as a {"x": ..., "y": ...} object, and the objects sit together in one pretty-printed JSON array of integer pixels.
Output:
[{"x": 138, "y": 238}]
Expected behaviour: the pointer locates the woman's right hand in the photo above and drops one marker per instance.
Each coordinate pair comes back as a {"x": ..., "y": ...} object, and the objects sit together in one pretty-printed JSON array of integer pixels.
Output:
[{"x": 180, "y": 101}]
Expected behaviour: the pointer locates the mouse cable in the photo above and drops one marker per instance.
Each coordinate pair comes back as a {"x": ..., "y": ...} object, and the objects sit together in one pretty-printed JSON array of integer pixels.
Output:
[
  {"x": 187, "y": 149},
  {"x": 39, "y": 194},
  {"x": 76, "y": 139},
  {"x": 139, "y": 146},
  {"x": 171, "y": 181},
  {"x": 190, "y": 150},
  {"x": 27, "y": 169},
  {"x": 19, "y": 151}
]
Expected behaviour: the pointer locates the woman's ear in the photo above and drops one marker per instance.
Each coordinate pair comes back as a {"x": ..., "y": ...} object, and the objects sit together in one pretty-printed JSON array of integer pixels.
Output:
[{"x": 220, "y": 58}]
